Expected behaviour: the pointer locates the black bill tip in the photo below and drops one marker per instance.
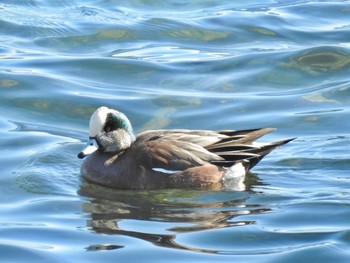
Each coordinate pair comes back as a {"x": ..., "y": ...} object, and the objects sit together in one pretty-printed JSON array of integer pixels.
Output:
[{"x": 81, "y": 155}]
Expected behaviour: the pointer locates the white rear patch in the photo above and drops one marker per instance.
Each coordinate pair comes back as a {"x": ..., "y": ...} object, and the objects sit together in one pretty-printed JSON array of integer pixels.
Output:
[
  {"x": 234, "y": 178},
  {"x": 166, "y": 171},
  {"x": 236, "y": 170}
]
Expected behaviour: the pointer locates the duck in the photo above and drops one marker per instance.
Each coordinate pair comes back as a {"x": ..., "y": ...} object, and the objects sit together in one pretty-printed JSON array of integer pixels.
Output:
[{"x": 167, "y": 158}]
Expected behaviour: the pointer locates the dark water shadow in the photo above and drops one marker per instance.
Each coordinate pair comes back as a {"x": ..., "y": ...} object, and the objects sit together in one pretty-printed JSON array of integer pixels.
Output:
[{"x": 183, "y": 211}]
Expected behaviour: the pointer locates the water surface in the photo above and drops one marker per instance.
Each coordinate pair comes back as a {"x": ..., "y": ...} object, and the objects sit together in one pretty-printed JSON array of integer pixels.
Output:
[{"x": 175, "y": 64}]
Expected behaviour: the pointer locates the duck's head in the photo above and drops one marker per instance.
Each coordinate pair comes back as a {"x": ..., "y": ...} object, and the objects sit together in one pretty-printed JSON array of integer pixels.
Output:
[{"x": 110, "y": 131}]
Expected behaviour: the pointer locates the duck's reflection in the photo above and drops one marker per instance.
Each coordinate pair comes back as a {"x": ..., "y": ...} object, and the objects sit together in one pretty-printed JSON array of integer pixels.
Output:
[{"x": 182, "y": 211}]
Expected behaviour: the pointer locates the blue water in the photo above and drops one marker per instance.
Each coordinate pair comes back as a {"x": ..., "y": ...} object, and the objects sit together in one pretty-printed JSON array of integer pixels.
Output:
[{"x": 175, "y": 64}]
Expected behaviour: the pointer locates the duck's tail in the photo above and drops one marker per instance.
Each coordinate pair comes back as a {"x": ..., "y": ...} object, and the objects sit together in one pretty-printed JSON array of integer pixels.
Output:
[
  {"x": 248, "y": 152},
  {"x": 262, "y": 151}
]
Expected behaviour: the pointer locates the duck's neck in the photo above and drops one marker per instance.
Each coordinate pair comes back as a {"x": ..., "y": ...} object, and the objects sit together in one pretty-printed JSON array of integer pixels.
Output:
[{"x": 116, "y": 141}]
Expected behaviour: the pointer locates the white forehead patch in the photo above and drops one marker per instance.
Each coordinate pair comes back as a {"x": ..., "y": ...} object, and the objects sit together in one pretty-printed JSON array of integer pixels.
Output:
[{"x": 98, "y": 120}]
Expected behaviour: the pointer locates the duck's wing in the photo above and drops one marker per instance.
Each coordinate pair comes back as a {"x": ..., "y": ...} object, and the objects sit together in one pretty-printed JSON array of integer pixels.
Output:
[
  {"x": 173, "y": 155},
  {"x": 176, "y": 149},
  {"x": 206, "y": 138},
  {"x": 198, "y": 137},
  {"x": 182, "y": 149}
]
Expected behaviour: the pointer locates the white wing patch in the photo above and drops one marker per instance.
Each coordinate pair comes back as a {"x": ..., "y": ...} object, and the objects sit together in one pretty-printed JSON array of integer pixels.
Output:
[{"x": 165, "y": 171}]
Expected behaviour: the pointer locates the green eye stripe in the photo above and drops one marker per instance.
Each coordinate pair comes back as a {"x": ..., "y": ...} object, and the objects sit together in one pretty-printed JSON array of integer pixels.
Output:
[{"x": 113, "y": 122}]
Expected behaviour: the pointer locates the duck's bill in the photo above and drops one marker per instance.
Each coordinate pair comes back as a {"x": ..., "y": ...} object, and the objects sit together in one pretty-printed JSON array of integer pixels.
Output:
[{"x": 90, "y": 147}]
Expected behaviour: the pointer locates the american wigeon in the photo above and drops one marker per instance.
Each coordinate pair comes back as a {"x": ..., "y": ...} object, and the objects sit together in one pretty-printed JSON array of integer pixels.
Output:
[{"x": 167, "y": 158}]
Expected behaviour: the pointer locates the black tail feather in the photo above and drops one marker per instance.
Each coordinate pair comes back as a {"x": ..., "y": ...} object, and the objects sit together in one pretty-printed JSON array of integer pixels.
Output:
[{"x": 249, "y": 155}]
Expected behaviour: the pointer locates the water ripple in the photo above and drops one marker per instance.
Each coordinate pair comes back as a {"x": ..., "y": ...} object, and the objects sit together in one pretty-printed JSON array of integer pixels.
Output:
[
  {"x": 169, "y": 54},
  {"x": 175, "y": 64}
]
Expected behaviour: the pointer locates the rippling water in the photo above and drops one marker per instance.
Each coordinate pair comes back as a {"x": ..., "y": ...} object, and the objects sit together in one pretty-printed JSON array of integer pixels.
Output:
[{"x": 175, "y": 64}]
